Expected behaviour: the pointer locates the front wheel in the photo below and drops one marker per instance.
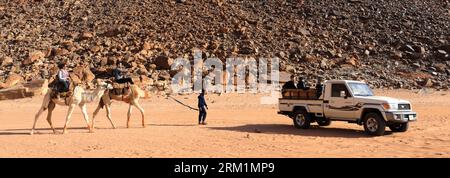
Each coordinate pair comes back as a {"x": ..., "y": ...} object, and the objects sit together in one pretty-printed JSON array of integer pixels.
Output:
[
  {"x": 301, "y": 120},
  {"x": 374, "y": 124},
  {"x": 401, "y": 127}
]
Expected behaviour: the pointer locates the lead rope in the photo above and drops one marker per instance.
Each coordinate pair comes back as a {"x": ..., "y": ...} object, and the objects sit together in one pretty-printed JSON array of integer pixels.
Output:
[{"x": 185, "y": 105}]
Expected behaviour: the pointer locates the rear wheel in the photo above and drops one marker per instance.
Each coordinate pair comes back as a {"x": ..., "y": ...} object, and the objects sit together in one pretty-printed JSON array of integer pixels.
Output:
[
  {"x": 301, "y": 119},
  {"x": 374, "y": 124},
  {"x": 401, "y": 127}
]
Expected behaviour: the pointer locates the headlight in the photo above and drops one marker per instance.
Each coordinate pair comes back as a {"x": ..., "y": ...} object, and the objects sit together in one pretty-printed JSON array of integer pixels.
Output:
[
  {"x": 388, "y": 106},
  {"x": 394, "y": 106}
]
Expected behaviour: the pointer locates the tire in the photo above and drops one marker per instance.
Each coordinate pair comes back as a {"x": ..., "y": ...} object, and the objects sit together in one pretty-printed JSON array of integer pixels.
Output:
[
  {"x": 301, "y": 119},
  {"x": 374, "y": 124},
  {"x": 323, "y": 122},
  {"x": 402, "y": 127}
]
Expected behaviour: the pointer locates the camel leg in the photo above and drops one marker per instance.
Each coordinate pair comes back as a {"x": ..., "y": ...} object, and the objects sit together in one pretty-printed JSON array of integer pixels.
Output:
[
  {"x": 130, "y": 109},
  {"x": 69, "y": 114},
  {"x": 110, "y": 120},
  {"x": 45, "y": 104},
  {"x": 95, "y": 114},
  {"x": 142, "y": 112},
  {"x": 108, "y": 114},
  {"x": 51, "y": 107},
  {"x": 36, "y": 117},
  {"x": 86, "y": 117}
]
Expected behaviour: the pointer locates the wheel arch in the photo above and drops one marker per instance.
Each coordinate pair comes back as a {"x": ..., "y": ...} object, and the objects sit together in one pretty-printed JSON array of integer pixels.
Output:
[
  {"x": 367, "y": 110},
  {"x": 300, "y": 107}
]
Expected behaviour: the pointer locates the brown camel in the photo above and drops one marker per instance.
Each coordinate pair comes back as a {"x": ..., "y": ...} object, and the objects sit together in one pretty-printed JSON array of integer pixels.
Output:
[{"x": 132, "y": 98}]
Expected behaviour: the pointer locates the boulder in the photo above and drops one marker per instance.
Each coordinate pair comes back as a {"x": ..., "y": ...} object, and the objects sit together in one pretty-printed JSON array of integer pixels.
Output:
[
  {"x": 12, "y": 80},
  {"x": 163, "y": 62},
  {"x": 5, "y": 61},
  {"x": 14, "y": 93},
  {"x": 32, "y": 57},
  {"x": 146, "y": 80}
]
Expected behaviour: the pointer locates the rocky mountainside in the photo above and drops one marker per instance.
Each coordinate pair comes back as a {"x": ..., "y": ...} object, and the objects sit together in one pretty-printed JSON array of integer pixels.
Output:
[{"x": 394, "y": 44}]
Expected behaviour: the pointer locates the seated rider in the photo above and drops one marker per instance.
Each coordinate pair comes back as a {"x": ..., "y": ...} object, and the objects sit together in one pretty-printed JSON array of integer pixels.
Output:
[
  {"x": 63, "y": 78},
  {"x": 118, "y": 77}
]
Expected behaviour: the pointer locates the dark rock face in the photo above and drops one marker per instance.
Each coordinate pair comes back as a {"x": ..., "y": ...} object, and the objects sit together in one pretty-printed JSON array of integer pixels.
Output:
[{"x": 385, "y": 43}]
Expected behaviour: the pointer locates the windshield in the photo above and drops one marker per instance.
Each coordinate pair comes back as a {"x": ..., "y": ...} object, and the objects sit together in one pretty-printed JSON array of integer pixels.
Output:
[{"x": 360, "y": 89}]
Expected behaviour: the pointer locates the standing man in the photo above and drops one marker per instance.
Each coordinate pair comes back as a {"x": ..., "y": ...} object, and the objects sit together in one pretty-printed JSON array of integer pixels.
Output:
[
  {"x": 319, "y": 87},
  {"x": 202, "y": 106}
]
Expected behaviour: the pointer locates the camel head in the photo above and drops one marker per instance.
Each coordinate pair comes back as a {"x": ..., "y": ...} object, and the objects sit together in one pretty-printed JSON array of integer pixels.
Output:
[{"x": 99, "y": 83}]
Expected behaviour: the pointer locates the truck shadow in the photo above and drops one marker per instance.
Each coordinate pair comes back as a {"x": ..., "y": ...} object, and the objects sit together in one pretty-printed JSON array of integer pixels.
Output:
[{"x": 314, "y": 131}]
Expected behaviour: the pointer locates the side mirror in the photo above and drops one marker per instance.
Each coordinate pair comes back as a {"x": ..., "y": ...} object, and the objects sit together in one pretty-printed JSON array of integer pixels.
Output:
[{"x": 343, "y": 95}]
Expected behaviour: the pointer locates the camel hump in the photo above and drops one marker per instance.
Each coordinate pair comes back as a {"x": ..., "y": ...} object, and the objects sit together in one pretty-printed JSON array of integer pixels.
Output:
[{"x": 138, "y": 92}]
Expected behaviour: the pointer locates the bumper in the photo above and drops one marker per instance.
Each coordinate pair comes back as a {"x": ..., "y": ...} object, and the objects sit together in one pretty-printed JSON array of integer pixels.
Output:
[
  {"x": 401, "y": 116},
  {"x": 286, "y": 113}
]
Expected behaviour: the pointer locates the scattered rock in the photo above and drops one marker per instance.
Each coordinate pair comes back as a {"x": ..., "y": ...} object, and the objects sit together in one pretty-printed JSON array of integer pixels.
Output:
[
  {"x": 397, "y": 55},
  {"x": 5, "y": 61},
  {"x": 427, "y": 83},
  {"x": 33, "y": 56},
  {"x": 86, "y": 36},
  {"x": 164, "y": 75},
  {"x": 310, "y": 58},
  {"x": 352, "y": 61},
  {"x": 95, "y": 49}
]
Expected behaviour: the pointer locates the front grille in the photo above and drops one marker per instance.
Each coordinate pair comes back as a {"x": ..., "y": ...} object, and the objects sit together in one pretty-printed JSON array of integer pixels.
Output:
[{"x": 404, "y": 106}]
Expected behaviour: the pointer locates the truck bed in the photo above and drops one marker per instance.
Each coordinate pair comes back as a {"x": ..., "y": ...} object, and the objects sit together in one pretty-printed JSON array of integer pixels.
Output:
[
  {"x": 299, "y": 94},
  {"x": 312, "y": 104}
]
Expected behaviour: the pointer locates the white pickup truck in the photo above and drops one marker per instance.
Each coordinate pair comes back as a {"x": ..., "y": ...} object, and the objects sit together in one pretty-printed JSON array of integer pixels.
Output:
[{"x": 346, "y": 100}]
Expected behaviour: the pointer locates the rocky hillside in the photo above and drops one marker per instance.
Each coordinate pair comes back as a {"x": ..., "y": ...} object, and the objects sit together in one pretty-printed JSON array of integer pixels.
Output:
[{"x": 395, "y": 44}]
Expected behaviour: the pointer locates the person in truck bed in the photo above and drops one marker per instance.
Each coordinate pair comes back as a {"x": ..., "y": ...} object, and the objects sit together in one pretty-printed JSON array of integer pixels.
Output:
[
  {"x": 290, "y": 84},
  {"x": 302, "y": 84}
]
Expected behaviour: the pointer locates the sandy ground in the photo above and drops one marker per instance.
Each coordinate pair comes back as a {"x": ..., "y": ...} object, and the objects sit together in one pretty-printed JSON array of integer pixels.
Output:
[{"x": 238, "y": 126}]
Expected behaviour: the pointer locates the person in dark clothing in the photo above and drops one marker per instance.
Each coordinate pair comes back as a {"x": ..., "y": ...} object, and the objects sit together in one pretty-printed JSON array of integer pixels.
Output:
[
  {"x": 319, "y": 87},
  {"x": 290, "y": 84},
  {"x": 202, "y": 107},
  {"x": 118, "y": 77},
  {"x": 302, "y": 84}
]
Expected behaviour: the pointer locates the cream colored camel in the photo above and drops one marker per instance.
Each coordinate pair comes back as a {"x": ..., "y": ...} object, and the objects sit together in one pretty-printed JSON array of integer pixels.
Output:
[
  {"x": 79, "y": 98},
  {"x": 132, "y": 99}
]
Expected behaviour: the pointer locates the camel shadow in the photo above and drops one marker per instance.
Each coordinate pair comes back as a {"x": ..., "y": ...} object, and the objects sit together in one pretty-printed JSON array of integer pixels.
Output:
[
  {"x": 314, "y": 131},
  {"x": 27, "y": 131}
]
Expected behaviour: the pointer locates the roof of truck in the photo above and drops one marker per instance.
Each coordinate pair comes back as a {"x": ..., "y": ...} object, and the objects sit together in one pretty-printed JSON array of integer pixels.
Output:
[{"x": 344, "y": 81}]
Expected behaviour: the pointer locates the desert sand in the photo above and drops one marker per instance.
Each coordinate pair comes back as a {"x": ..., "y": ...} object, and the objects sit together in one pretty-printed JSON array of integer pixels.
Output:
[{"x": 238, "y": 126}]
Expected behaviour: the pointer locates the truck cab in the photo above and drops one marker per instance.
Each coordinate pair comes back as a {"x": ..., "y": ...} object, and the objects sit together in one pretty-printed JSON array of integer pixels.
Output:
[{"x": 346, "y": 100}]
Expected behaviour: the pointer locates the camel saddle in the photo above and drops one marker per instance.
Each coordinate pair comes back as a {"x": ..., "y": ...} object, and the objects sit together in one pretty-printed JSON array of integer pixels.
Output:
[
  {"x": 120, "y": 88},
  {"x": 57, "y": 90}
]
